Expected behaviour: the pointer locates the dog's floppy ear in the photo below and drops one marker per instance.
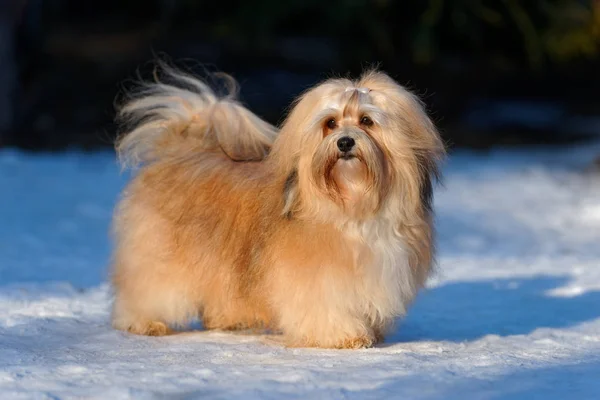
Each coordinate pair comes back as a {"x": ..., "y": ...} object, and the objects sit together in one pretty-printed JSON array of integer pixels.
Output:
[
  {"x": 429, "y": 175},
  {"x": 290, "y": 194}
]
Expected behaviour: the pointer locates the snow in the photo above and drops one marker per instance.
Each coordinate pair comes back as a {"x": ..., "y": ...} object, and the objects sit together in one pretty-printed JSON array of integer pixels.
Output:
[{"x": 513, "y": 311}]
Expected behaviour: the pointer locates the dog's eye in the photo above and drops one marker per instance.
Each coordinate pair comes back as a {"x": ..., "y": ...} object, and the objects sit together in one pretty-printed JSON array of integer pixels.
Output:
[
  {"x": 366, "y": 121},
  {"x": 331, "y": 123}
]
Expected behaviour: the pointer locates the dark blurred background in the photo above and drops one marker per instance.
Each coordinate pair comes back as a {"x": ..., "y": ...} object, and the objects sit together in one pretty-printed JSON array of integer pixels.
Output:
[{"x": 492, "y": 72}]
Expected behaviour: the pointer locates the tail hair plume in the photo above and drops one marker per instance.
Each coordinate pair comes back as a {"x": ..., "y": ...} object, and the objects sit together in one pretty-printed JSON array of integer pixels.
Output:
[{"x": 184, "y": 113}]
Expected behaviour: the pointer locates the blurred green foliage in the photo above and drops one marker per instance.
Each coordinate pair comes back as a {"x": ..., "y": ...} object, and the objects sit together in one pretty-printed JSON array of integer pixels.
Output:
[
  {"x": 464, "y": 50},
  {"x": 559, "y": 30},
  {"x": 530, "y": 32}
]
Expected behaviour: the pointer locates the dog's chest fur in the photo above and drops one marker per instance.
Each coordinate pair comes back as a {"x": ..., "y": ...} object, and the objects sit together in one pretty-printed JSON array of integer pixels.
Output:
[{"x": 381, "y": 262}]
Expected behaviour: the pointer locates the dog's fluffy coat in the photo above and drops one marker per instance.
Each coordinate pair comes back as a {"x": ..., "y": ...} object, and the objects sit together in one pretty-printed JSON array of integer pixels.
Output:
[{"x": 245, "y": 226}]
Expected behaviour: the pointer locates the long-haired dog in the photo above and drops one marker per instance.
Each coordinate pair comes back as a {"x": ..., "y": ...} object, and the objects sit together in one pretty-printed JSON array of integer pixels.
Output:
[{"x": 321, "y": 230}]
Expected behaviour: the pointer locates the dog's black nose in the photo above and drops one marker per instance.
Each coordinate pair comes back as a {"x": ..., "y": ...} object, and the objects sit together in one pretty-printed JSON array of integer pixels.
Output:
[{"x": 345, "y": 144}]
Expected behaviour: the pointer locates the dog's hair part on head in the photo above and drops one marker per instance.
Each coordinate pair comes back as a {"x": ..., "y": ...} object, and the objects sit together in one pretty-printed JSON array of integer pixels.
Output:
[{"x": 321, "y": 230}]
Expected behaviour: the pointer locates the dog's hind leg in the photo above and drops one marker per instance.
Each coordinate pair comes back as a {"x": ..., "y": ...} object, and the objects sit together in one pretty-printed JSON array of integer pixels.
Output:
[
  {"x": 151, "y": 315},
  {"x": 150, "y": 306},
  {"x": 142, "y": 327}
]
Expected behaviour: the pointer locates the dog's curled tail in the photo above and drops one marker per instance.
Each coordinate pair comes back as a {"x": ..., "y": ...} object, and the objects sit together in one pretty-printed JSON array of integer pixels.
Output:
[{"x": 186, "y": 114}]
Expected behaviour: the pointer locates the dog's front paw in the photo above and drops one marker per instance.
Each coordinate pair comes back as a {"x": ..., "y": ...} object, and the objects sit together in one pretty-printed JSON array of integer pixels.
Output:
[{"x": 359, "y": 342}]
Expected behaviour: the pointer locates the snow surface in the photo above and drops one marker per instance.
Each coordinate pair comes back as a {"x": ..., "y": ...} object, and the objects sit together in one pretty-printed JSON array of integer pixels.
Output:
[{"x": 514, "y": 311}]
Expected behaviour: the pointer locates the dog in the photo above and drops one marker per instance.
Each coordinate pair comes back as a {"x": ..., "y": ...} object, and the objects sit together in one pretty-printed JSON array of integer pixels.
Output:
[{"x": 321, "y": 230}]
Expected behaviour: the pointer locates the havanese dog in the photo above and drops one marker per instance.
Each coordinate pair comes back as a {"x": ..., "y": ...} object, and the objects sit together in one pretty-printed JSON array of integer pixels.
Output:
[{"x": 320, "y": 230}]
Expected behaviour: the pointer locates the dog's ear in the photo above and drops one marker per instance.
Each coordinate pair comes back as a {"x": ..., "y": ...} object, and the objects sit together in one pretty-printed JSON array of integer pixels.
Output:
[
  {"x": 290, "y": 194},
  {"x": 429, "y": 176}
]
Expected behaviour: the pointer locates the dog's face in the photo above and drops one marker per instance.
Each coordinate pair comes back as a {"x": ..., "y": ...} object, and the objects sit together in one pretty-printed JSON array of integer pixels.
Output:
[
  {"x": 358, "y": 147},
  {"x": 349, "y": 163}
]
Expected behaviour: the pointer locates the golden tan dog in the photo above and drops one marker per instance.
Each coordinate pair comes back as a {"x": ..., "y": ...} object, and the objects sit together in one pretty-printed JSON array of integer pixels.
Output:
[{"x": 322, "y": 231}]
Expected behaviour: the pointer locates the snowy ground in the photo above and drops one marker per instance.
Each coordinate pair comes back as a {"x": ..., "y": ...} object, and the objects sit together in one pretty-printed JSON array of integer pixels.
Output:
[{"x": 514, "y": 311}]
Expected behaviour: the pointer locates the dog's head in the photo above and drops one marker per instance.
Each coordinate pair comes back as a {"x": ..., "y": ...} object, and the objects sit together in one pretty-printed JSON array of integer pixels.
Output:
[{"x": 357, "y": 147}]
